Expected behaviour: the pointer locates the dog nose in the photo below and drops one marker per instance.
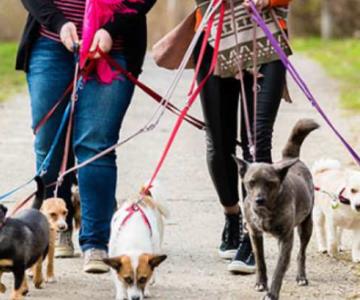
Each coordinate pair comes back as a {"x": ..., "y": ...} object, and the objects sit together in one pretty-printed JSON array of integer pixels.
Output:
[
  {"x": 62, "y": 227},
  {"x": 357, "y": 207},
  {"x": 135, "y": 298},
  {"x": 260, "y": 200}
]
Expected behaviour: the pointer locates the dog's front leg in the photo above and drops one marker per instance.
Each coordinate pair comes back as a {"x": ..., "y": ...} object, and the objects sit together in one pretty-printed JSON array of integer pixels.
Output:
[
  {"x": 355, "y": 252},
  {"x": 2, "y": 286},
  {"x": 119, "y": 286},
  {"x": 50, "y": 277},
  {"x": 261, "y": 276},
  {"x": 285, "y": 245}
]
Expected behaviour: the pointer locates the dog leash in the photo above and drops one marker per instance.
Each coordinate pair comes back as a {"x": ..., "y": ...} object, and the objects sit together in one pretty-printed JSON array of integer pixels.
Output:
[
  {"x": 195, "y": 94},
  {"x": 298, "y": 79}
]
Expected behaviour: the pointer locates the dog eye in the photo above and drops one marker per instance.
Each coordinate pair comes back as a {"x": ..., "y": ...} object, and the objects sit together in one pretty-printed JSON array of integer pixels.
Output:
[
  {"x": 354, "y": 191},
  {"x": 53, "y": 215},
  {"x": 142, "y": 280},
  {"x": 251, "y": 183},
  {"x": 65, "y": 213},
  {"x": 128, "y": 280}
]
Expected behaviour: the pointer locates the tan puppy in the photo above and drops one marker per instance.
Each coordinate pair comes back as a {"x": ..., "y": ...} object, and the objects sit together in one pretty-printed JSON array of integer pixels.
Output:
[{"x": 56, "y": 212}]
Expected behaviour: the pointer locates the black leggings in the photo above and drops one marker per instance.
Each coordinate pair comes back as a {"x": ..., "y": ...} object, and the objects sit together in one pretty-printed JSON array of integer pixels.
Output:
[{"x": 220, "y": 100}]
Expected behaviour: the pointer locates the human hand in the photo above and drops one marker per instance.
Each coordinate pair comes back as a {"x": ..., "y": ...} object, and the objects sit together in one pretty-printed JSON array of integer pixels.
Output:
[
  {"x": 260, "y": 4},
  {"x": 103, "y": 41},
  {"x": 68, "y": 35}
]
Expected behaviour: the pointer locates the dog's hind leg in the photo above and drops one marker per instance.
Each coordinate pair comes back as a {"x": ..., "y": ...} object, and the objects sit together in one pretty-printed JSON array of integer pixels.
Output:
[
  {"x": 38, "y": 276},
  {"x": 261, "y": 276},
  {"x": 19, "y": 275},
  {"x": 285, "y": 245},
  {"x": 319, "y": 222},
  {"x": 339, "y": 232},
  {"x": 355, "y": 252},
  {"x": 305, "y": 231}
]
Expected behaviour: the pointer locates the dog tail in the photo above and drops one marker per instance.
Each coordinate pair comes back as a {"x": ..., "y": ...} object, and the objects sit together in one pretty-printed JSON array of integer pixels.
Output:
[
  {"x": 323, "y": 165},
  {"x": 301, "y": 130},
  {"x": 158, "y": 195},
  {"x": 40, "y": 193}
]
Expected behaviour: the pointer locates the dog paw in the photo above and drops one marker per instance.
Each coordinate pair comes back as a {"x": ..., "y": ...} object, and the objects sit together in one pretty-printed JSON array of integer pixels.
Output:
[
  {"x": 50, "y": 279},
  {"x": 322, "y": 250},
  {"x": 25, "y": 292},
  {"x": 38, "y": 284},
  {"x": 2, "y": 288},
  {"x": 269, "y": 296},
  {"x": 302, "y": 281},
  {"x": 261, "y": 287}
]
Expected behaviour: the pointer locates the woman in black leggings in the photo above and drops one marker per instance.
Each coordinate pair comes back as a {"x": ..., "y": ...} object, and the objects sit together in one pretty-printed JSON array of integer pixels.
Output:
[{"x": 220, "y": 103}]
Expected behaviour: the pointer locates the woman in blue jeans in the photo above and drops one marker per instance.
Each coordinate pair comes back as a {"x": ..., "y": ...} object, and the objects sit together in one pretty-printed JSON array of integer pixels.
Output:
[{"x": 45, "y": 53}]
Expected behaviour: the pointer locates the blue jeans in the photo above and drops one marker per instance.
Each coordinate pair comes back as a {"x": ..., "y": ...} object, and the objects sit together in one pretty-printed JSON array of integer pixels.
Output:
[{"x": 99, "y": 112}]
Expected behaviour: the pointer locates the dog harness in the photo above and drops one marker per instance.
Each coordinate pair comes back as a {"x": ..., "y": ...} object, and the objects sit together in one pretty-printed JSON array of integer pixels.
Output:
[
  {"x": 336, "y": 199},
  {"x": 133, "y": 209}
]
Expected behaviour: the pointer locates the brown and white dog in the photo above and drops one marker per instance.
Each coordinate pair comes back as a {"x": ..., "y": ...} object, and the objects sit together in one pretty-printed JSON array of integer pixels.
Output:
[
  {"x": 135, "y": 246},
  {"x": 56, "y": 212},
  {"x": 337, "y": 206}
]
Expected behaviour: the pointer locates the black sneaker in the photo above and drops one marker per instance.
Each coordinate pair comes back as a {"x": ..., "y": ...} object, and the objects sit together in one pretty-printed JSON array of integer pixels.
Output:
[
  {"x": 244, "y": 261},
  {"x": 231, "y": 236}
]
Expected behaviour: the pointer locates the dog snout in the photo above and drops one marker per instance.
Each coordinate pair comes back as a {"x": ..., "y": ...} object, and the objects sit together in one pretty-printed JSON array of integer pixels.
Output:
[
  {"x": 260, "y": 200},
  {"x": 62, "y": 226}
]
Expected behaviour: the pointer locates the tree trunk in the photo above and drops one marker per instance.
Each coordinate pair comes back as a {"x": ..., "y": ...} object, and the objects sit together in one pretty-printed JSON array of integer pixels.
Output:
[{"x": 326, "y": 20}]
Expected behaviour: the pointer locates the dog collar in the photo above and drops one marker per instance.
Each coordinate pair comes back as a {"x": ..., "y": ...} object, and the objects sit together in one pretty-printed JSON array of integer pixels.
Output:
[
  {"x": 133, "y": 209},
  {"x": 336, "y": 199}
]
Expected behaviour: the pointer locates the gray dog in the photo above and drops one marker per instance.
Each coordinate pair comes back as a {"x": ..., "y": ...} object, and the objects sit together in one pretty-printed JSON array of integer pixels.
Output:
[{"x": 280, "y": 197}]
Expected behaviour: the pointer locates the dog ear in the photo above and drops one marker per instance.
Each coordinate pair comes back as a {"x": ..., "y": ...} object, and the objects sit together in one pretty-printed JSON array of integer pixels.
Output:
[
  {"x": 3, "y": 211},
  {"x": 283, "y": 167},
  {"x": 114, "y": 262},
  {"x": 242, "y": 165},
  {"x": 156, "y": 260}
]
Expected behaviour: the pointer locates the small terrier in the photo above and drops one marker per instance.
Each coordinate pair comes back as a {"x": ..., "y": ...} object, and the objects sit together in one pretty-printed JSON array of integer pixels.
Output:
[
  {"x": 135, "y": 246},
  {"x": 280, "y": 197},
  {"x": 56, "y": 212},
  {"x": 337, "y": 206}
]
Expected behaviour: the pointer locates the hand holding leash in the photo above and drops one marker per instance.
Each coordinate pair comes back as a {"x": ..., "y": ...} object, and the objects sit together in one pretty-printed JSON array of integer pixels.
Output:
[
  {"x": 103, "y": 41},
  {"x": 260, "y": 4},
  {"x": 68, "y": 36}
]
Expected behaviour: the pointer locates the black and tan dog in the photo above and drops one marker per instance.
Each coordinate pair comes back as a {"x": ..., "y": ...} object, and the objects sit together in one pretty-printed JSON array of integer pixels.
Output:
[
  {"x": 24, "y": 241},
  {"x": 279, "y": 198}
]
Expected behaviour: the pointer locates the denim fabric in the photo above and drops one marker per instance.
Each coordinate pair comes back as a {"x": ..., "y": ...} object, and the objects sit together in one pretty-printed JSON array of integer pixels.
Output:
[{"x": 99, "y": 112}]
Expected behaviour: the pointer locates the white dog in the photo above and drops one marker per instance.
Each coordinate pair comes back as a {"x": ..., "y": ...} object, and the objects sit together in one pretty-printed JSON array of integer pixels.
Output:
[
  {"x": 135, "y": 246},
  {"x": 337, "y": 206}
]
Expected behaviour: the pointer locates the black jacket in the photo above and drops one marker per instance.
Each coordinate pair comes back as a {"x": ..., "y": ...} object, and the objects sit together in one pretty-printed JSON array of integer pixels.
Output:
[{"x": 131, "y": 28}]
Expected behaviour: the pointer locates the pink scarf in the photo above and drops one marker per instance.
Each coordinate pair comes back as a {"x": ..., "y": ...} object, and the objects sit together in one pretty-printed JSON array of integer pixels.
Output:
[{"x": 97, "y": 14}]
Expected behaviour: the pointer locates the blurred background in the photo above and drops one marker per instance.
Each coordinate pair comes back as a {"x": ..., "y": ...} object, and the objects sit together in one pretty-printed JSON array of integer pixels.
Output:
[{"x": 327, "y": 30}]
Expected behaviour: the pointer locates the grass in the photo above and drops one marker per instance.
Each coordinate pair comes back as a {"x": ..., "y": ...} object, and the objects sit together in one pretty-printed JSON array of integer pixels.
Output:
[
  {"x": 11, "y": 81},
  {"x": 341, "y": 59}
]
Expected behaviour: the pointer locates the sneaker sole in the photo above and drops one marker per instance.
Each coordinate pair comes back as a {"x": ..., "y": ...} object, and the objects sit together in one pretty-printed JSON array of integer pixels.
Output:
[
  {"x": 64, "y": 253},
  {"x": 96, "y": 268},
  {"x": 239, "y": 267},
  {"x": 228, "y": 254}
]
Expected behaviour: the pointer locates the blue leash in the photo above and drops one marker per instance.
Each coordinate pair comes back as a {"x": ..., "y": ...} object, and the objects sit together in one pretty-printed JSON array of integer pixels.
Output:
[{"x": 46, "y": 163}]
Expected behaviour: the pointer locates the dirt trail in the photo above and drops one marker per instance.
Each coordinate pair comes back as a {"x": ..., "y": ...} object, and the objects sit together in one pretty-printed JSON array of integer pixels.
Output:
[{"x": 193, "y": 270}]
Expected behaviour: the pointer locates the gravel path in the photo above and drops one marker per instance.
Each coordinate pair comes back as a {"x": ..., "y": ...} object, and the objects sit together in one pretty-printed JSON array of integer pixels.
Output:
[{"x": 193, "y": 269}]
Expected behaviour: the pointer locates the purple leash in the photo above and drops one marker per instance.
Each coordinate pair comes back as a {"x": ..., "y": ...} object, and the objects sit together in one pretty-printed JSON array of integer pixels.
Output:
[{"x": 297, "y": 78}]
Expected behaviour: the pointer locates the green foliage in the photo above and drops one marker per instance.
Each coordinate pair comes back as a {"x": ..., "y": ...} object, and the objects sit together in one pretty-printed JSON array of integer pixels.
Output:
[
  {"x": 341, "y": 59},
  {"x": 11, "y": 81}
]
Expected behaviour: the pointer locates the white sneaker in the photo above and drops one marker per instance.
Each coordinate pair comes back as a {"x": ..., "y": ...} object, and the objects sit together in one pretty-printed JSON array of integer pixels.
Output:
[
  {"x": 64, "y": 247},
  {"x": 93, "y": 261}
]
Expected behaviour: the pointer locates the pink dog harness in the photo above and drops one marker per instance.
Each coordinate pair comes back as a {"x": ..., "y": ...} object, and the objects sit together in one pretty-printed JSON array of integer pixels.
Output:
[{"x": 135, "y": 208}]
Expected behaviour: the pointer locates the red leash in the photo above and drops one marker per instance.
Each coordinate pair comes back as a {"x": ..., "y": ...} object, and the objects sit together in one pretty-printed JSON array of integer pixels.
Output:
[
  {"x": 193, "y": 97},
  {"x": 134, "y": 208}
]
